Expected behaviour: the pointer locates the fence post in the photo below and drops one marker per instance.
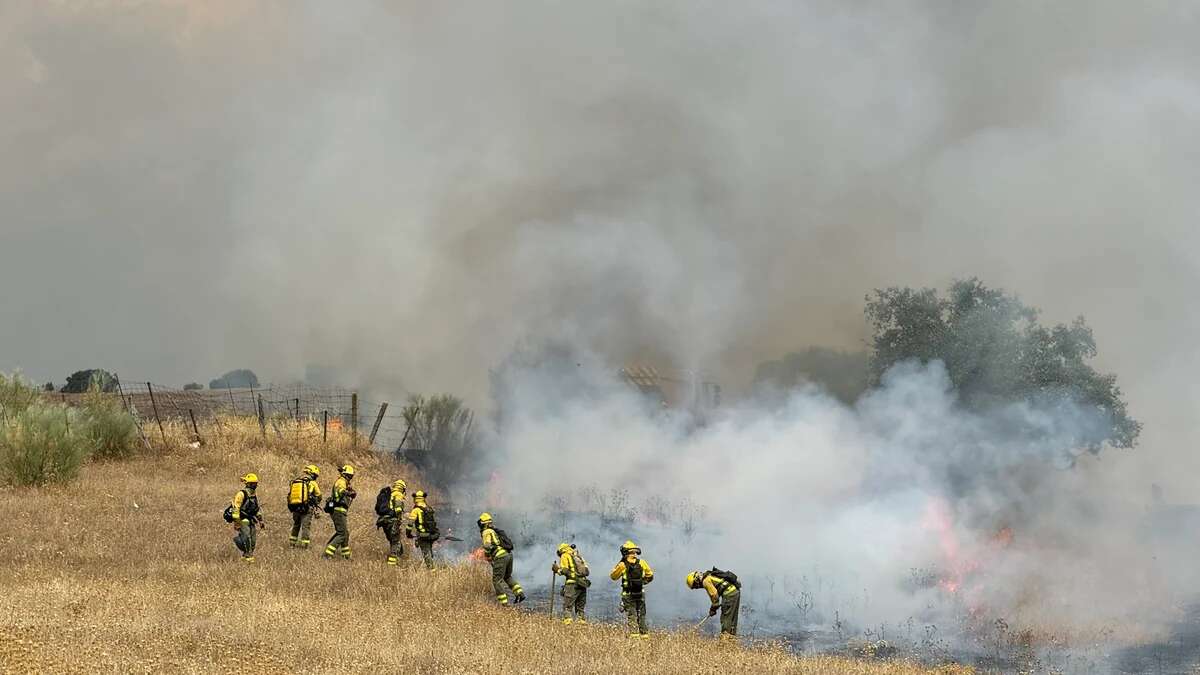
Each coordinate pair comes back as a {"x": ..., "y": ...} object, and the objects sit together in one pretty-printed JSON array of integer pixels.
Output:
[
  {"x": 324, "y": 425},
  {"x": 262, "y": 418},
  {"x": 297, "y": 410},
  {"x": 354, "y": 419},
  {"x": 195, "y": 429},
  {"x": 378, "y": 421},
  {"x": 232, "y": 403},
  {"x": 154, "y": 404}
]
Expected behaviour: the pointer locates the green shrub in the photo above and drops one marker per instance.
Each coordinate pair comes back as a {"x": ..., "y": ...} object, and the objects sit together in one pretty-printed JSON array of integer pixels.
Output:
[
  {"x": 16, "y": 394},
  {"x": 42, "y": 444},
  {"x": 110, "y": 427}
]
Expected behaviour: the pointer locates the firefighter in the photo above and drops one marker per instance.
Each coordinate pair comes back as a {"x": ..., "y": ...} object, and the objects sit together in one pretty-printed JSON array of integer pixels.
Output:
[
  {"x": 392, "y": 522},
  {"x": 572, "y": 566},
  {"x": 724, "y": 593},
  {"x": 501, "y": 559},
  {"x": 340, "y": 499},
  {"x": 245, "y": 517},
  {"x": 423, "y": 526},
  {"x": 304, "y": 496},
  {"x": 634, "y": 574}
]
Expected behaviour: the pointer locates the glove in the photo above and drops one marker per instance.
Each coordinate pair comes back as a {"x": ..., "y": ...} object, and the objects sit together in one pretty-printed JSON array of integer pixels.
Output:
[{"x": 712, "y": 611}]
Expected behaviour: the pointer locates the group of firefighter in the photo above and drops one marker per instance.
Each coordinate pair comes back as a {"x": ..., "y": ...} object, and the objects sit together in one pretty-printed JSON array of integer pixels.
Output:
[{"x": 304, "y": 503}]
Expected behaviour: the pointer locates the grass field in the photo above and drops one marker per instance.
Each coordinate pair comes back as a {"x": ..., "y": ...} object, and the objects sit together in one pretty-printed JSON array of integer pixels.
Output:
[{"x": 131, "y": 569}]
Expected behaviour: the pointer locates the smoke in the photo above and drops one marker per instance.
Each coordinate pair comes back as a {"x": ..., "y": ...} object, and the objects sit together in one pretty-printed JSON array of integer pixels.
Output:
[
  {"x": 902, "y": 509},
  {"x": 405, "y": 192}
]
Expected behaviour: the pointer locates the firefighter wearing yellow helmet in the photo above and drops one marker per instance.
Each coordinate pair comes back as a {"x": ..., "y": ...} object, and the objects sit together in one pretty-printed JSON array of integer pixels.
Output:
[
  {"x": 634, "y": 573},
  {"x": 498, "y": 549},
  {"x": 304, "y": 497},
  {"x": 390, "y": 510},
  {"x": 243, "y": 513},
  {"x": 338, "y": 506},
  {"x": 571, "y": 565},
  {"x": 422, "y": 525},
  {"x": 724, "y": 593}
]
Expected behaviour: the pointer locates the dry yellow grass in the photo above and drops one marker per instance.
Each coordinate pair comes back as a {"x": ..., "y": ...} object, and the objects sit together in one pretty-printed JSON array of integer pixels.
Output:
[{"x": 130, "y": 569}]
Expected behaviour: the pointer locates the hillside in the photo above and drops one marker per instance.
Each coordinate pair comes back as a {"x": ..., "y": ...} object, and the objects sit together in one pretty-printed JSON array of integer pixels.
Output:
[{"x": 130, "y": 569}]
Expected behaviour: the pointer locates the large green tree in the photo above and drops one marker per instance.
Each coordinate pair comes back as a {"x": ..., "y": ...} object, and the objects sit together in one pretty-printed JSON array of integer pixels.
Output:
[{"x": 996, "y": 353}]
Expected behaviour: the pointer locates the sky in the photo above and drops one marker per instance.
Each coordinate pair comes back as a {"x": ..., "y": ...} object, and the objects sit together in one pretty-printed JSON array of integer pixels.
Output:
[{"x": 405, "y": 192}]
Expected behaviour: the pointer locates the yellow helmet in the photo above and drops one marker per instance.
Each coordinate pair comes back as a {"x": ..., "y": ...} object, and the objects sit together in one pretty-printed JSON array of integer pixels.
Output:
[
  {"x": 312, "y": 470},
  {"x": 563, "y": 548},
  {"x": 630, "y": 547},
  {"x": 692, "y": 579},
  {"x": 400, "y": 485},
  {"x": 347, "y": 470},
  {"x": 250, "y": 478},
  {"x": 485, "y": 518},
  {"x": 419, "y": 495}
]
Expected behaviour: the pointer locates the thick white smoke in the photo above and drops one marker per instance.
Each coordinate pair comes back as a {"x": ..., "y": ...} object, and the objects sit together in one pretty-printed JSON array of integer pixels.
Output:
[{"x": 902, "y": 508}]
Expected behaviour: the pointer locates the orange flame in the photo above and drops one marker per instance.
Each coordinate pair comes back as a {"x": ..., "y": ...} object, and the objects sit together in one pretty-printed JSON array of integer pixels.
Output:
[{"x": 477, "y": 556}]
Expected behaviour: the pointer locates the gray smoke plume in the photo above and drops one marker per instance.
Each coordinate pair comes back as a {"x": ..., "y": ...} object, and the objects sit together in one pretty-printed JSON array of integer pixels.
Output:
[{"x": 406, "y": 192}]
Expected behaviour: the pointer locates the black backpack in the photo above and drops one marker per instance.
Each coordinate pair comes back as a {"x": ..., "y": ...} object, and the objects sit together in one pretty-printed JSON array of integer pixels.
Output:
[
  {"x": 725, "y": 575},
  {"x": 505, "y": 542},
  {"x": 383, "y": 501},
  {"x": 430, "y": 523},
  {"x": 634, "y": 579},
  {"x": 249, "y": 508}
]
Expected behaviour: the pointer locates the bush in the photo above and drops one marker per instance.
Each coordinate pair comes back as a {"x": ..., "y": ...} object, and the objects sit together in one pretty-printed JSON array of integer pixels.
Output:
[
  {"x": 41, "y": 444},
  {"x": 109, "y": 426},
  {"x": 193, "y": 386},
  {"x": 16, "y": 394},
  {"x": 442, "y": 442}
]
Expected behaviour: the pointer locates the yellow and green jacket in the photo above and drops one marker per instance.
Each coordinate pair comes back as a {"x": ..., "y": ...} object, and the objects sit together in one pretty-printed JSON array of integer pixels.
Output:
[
  {"x": 491, "y": 544},
  {"x": 245, "y": 505},
  {"x": 396, "y": 504},
  {"x": 716, "y": 588},
  {"x": 416, "y": 520},
  {"x": 566, "y": 567},
  {"x": 621, "y": 571},
  {"x": 343, "y": 495}
]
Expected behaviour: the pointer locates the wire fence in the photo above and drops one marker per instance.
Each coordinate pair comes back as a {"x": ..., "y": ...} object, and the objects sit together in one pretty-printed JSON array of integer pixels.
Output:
[{"x": 294, "y": 411}]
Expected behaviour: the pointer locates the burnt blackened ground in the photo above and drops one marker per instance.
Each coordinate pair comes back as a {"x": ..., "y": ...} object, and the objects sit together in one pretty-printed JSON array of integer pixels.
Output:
[{"x": 1178, "y": 653}]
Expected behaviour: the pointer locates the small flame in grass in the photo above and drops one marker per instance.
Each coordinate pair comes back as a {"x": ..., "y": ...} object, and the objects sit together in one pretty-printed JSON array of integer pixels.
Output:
[{"x": 477, "y": 555}]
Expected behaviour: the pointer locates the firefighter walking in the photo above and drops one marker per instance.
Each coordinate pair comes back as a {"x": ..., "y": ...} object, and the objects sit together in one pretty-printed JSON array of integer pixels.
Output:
[
  {"x": 498, "y": 550},
  {"x": 243, "y": 512},
  {"x": 422, "y": 526},
  {"x": 391, "y": 521},
  {"x": 724, "y": 593},
  {"x": 304, "y": 496},
  {"x": 340, "y": 498},
  {"x": 571, "y": 565},
  {"x": 634, "y": 573}
]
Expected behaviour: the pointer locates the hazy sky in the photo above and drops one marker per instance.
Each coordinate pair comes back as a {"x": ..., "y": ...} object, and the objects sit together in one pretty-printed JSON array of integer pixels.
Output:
[{"x": 405, "y": 190}]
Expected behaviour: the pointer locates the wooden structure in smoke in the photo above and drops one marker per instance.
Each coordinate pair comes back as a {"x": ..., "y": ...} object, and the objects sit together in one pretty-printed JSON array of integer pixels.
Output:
[{"x": 686, "y": 390}]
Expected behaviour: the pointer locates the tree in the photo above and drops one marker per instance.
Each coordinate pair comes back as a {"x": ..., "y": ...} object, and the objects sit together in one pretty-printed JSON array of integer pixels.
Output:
[
  {"x": 842, "y": 374},
  {"x": 997, "y": 353},
  {"x": 82, "y": 381},
  {"x": 193, "y": 386},
  {"x": 235, "y": 379},
  {"x": 441, "y": 437}
]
